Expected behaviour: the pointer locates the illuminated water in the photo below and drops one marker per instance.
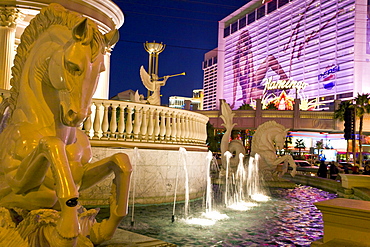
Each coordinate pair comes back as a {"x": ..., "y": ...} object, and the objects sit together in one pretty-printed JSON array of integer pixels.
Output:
[{"x": 289, "y": 218}]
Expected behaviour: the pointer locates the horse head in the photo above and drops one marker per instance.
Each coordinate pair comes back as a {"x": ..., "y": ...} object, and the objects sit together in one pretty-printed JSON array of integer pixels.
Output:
[
  {"x": 279, "y": 138},
  {"x": 74, "y": 70}
]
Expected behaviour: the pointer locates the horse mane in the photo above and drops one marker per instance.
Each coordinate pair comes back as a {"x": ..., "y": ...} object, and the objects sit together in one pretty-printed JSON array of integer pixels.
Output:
[
  {"x": 269, "y": 126},
  {"x": 54, "y": 14}
]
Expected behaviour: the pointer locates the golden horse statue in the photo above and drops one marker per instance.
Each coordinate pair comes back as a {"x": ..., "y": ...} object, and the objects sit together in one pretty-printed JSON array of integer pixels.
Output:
[{"x": 44, "y": 156}]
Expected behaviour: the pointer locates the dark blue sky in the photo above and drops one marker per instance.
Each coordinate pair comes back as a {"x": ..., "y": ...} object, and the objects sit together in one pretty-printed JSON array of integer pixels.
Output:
[{"x": 189, "y": 30}]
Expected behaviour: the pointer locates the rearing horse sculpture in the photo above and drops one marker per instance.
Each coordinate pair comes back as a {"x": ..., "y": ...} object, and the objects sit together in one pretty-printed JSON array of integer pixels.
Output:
[
  {"x": 267, "y": 140},
  {"x": 44, "y": 157}
]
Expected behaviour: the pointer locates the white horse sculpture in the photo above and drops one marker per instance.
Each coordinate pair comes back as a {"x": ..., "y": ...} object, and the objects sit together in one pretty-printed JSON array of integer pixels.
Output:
[
  {"x": 44, "y": 157},
  {"x": 267, "y": 140}
]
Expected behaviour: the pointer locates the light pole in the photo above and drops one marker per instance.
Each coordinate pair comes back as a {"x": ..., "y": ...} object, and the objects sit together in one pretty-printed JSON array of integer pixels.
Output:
[{"x": 153, "y": 49}]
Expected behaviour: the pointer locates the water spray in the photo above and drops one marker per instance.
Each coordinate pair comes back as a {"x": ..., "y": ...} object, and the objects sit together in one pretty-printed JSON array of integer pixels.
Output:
[
  {"x": 135, "y": 159},
  {"x": 175, "y": 192},
  {"x": 228, "y": 156}
]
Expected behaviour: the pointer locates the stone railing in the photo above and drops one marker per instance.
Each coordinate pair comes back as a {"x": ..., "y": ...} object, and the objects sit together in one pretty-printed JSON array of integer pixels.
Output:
[{"x": 135, "y": 122}]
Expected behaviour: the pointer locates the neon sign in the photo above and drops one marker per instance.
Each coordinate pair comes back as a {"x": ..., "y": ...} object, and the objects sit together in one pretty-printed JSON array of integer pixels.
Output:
[{"x": 283, "y": 84}]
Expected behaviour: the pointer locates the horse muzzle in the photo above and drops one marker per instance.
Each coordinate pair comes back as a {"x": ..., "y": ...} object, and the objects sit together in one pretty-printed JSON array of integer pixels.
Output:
[{"x": 72, "y": 118}]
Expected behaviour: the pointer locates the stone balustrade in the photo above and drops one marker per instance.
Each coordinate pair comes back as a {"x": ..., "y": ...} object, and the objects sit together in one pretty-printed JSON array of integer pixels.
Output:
[{"x": 136, "y": 122}]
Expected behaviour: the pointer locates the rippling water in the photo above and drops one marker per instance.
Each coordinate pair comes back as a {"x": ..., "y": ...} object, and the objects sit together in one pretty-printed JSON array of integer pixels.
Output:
[{"x": 288, "y": 219}]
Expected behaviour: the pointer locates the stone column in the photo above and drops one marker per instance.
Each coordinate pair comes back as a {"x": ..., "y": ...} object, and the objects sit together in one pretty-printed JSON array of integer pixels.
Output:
[
  {"x": 102, "y": 91},
  {"x": 8, "y": 21}
]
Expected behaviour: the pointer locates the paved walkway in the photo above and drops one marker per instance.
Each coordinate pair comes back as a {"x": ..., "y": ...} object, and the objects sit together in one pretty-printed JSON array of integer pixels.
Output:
[{"x": 125, "y": 238}]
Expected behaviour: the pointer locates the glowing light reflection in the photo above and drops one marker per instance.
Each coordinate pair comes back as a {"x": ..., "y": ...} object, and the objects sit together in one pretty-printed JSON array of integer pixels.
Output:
[
  {"x": 199, "y": 221},
  {"x": 260, "y": 198},
  {"x": 214, "y": 215},
  {"x": 242, "y": 206}
]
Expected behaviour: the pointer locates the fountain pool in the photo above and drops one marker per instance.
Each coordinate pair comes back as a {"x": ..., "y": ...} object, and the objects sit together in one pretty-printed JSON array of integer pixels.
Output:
[{"x": 289, "y": 218}]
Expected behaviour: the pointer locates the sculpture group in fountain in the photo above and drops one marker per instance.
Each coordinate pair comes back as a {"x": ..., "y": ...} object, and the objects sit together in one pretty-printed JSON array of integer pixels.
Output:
[
  {"x": 44, "y": 156},
  {"x": 267, "y": 140}
]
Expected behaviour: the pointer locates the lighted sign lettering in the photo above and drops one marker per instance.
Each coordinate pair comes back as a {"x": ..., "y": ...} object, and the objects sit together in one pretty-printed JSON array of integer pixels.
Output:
[
  {"x": 283, "y": 84},
  {"x": 326, "y": 75}
]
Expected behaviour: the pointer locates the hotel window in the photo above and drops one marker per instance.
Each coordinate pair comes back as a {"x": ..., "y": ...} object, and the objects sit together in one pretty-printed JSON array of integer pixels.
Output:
[
  {"x": 226, "y": 31},
  {"x": 242, "y": 22},
  {"x": 283, "y": 2},
  {"x": 204, "y": 64},
  {"x": 234, "y": 27},
  {"x": 271, "y": 6},
  {"x": 251, "y": 17},
  {"x": 261, "y": 12}
]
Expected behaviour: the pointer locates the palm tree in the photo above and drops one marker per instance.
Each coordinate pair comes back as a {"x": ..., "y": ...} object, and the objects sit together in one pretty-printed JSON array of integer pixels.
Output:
[
  {"x": 362, "y": 106},
  {"x": 299, "y": 143},
  {"x": 339, "y": 114}
]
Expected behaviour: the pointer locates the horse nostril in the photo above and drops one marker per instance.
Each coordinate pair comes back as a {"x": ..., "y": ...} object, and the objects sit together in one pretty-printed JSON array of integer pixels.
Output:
[
  {"x": 72, "y": 202},
  {"x": 71, "y": 114}
]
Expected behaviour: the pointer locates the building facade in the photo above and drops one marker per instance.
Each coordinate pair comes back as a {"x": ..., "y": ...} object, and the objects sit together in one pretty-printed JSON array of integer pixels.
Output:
[
  {"x": 314, "y": 50},
  {"x": 210, "y": 80},
  {"x": 195, "y": 103}
]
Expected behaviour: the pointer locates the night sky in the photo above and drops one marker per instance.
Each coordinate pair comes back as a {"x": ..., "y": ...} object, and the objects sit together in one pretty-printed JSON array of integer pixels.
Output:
[{"x": 189, "y": 30}]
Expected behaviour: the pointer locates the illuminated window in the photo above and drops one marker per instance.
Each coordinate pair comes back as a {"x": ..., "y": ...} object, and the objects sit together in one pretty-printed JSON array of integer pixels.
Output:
[{"x": 345, "y": 95}]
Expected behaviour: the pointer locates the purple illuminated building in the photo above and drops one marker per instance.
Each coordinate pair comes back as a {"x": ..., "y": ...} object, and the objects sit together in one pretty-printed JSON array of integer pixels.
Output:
[{"x": 314, "y": 50}]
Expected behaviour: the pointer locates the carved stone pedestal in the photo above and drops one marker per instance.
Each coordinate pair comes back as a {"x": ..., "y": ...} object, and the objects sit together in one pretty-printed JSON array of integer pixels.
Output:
[{"x": 345, "y": 220}]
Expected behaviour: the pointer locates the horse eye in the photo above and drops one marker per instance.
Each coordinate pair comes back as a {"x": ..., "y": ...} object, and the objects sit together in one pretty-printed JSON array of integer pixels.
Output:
[{"x": 72, "y": 68}]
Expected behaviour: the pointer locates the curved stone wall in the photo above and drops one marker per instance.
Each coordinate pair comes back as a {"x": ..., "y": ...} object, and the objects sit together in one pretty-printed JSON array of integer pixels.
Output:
[{"x": 154, "y": 177}]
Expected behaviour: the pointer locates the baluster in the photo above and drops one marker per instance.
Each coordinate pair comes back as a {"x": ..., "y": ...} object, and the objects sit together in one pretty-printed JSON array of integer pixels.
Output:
[
  {"x": 199, "y": 136},
  {"x": 113, "y": 122},
  {"x": 144, "y": 124},
  {"x": 203, "y": 128},
  {"x": 174, "y": 127},
  {"x": 179, "y": 127},
  {"x": 162, "y": 125},
  {"x": 105, "y": 124},
  {"x": 199, "y": 130},
  {"x": 96, "y": 125},
  {"x": 156, "y": 125},
  {"x": 129, "y": 123},
  {"x": 168, "y": 126},
  {"x": 151, "y": 124},
  {"x": 137, "y": 121},
  {"x": 121, "y": 122},
  {"x": 192, "y": 129},
  {"x": 87, "y": 125},
  {"x": 187, "y": 130}
]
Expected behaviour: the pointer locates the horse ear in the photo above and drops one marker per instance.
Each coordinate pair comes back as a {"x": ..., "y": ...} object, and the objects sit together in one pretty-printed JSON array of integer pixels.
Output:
[
  {"x": 112, "y": 37},
  {"x": 80, "y": 30}
]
